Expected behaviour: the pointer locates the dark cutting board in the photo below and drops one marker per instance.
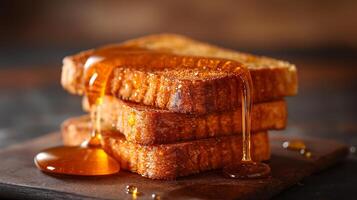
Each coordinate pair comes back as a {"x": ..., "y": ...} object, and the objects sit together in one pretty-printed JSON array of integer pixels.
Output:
[{"x": 19, "y": 177}]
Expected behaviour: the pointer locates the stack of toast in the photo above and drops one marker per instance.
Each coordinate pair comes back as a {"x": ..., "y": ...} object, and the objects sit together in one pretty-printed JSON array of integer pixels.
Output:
[{"x": 177, "y": 122}]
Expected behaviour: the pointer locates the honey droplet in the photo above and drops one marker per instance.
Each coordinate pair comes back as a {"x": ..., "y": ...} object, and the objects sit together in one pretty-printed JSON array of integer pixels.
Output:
[
  {"x": 294, "y": 145},
  {"x": 131, "y": 189},
  {"x": 155, "y": 196},
  {"x": 299, "y": 146},
  {"x": 306, "y": 153}
]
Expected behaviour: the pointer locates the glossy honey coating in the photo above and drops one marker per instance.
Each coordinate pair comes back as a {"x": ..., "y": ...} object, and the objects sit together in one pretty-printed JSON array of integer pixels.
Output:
[
  {"x": 165, "y": 80},
  {"x": 264, "y": 71}
]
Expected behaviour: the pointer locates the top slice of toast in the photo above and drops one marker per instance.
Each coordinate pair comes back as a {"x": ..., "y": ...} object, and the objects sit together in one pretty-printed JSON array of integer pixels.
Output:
[{"x": 214, "y": 91}]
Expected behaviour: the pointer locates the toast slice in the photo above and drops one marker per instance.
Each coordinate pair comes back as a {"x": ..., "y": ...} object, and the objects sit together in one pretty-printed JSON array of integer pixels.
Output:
[
  {"x": 146, "y": 125},
  {"x": 169, "y": 161},
  {"x": 272, "y": 79}
]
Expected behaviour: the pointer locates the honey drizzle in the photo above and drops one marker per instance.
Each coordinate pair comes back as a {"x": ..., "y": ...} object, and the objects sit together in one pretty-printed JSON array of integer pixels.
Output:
[
  {"x": 88, "y": 159},
  {"x": 247, "y": 168},
  {"x": 246, "y": 109}
]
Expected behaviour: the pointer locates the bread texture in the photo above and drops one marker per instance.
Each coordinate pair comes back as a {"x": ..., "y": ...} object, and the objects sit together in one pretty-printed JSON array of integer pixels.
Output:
[
  {"x": 188, "y": 90},
  {"x": 169, "y": 161},
  {"x": 147, "y": 125}
]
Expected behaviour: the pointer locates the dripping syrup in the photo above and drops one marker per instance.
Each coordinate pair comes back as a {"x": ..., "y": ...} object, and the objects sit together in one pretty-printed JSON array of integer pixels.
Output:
[
  {"x": 246, "y": 168},
  {"x": 88, "y": 159}
]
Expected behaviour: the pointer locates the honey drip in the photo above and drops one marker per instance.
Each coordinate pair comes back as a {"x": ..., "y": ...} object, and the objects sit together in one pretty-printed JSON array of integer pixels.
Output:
[
  {"x": 247, "y": 168},
  {"x": 88, "y": 159}
]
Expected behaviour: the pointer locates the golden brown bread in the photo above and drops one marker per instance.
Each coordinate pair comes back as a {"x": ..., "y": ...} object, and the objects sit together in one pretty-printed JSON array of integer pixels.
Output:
[
  {"x": 146, "y": 125},
  {"x": 169, "y": 161},
  {"x": 272, "y": 79}
]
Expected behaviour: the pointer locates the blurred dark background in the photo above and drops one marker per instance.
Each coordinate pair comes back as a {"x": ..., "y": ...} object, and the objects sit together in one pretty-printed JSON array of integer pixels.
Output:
[
  {"x": 41, "y": 32},
  {"x": 319, "y": 36}
]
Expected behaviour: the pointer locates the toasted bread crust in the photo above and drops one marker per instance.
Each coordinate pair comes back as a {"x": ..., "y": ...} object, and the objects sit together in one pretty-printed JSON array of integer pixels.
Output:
[
  {"x": 272, "y": 79},
  {"x": 145, "y": 125},
  {"x": 169, "y": 161}
]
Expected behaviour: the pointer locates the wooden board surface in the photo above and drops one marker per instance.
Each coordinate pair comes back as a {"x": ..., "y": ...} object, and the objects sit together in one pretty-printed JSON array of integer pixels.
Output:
[{"x": 19, "y": 177}]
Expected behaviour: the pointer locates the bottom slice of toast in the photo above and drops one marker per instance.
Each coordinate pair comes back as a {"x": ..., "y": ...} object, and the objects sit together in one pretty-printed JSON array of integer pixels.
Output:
[{"x": 168, "y": 161}]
